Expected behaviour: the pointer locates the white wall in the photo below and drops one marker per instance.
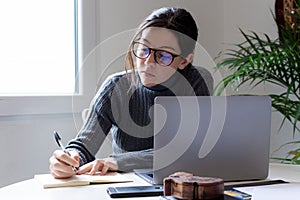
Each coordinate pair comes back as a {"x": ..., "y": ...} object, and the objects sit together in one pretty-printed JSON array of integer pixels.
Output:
[{"x": 26, "y": 141}]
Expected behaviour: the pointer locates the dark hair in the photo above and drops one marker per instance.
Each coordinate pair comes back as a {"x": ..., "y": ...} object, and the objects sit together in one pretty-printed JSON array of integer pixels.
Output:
[{"x": 177, "y": 19}]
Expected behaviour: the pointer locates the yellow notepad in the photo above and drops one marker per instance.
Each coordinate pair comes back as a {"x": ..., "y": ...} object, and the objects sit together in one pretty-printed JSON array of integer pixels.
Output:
[{"x": 48, "y": 181}]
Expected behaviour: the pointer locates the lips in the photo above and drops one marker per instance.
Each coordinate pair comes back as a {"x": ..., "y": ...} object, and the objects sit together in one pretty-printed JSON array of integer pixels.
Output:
[{"x": 147, "y": 74}]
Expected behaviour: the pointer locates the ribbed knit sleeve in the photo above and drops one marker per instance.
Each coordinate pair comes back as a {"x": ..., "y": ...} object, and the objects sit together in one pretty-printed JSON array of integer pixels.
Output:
[{"x": 97, "y": 126}]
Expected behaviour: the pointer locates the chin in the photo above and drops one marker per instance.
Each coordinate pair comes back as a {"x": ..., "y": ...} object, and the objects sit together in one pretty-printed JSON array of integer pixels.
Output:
[{"x": 148, "y": 84}]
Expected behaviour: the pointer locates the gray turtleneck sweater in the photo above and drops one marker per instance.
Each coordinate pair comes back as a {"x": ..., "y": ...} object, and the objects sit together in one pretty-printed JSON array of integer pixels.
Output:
[{"x": 126, "y": 111}]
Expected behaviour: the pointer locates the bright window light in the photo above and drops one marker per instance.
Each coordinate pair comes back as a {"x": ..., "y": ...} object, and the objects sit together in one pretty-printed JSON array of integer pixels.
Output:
[{"x": 37, "y": 47}]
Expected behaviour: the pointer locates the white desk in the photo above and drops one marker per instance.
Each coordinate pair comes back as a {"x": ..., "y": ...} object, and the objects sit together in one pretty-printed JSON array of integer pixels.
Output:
[
  {"x": 289, "y": 173},
  {"x": 30, "y": 189}
]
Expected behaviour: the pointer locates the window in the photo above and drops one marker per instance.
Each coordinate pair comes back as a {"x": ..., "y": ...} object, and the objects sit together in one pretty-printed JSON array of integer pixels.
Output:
[{"x": 38, "y": 47}]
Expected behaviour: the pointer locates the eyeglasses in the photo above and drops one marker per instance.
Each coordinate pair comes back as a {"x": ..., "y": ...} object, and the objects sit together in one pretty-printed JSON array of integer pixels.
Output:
[{"x": 161, "y": 57}]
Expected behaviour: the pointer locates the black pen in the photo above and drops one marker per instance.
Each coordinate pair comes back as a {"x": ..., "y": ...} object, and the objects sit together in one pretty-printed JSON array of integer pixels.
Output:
[{"x": 59, "y": 143}]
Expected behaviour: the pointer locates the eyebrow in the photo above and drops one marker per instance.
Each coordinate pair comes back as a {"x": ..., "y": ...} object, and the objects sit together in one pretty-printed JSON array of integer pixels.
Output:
[{"x": 162, "y": 47}]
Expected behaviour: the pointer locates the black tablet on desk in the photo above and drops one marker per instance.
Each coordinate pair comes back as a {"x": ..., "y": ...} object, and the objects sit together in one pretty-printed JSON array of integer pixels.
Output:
[{"x": 135, "y": 191}]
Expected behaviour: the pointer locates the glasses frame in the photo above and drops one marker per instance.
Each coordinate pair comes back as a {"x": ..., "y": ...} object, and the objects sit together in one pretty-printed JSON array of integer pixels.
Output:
[{"x": 154, "y": 51}]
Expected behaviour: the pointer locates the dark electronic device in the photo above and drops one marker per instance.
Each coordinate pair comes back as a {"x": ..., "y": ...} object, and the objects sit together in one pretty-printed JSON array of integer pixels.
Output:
[{"x": 135, "y": 191}]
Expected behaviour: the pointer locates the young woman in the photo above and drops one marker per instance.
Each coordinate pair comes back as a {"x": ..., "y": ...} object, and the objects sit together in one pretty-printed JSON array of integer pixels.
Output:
[{"x": 158, "y": 63}]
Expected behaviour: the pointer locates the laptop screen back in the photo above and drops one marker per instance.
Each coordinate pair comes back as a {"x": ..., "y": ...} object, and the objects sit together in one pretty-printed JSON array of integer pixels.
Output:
[{"x": 217, "y": 136}]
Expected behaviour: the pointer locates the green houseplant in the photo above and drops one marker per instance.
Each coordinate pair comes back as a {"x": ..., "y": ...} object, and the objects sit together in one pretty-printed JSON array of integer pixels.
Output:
[{"x": 260, "y": 60}]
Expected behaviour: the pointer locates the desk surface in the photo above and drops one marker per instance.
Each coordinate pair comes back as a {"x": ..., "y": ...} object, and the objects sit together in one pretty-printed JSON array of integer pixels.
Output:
[{"x": 31, "y": 189}]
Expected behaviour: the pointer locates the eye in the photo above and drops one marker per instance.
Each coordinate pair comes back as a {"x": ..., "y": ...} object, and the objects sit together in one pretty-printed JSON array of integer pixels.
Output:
[
  {"x": 163, "y": 57},
  {"x": 141, "y": 50},
  {"x": 144, "y": 51}
]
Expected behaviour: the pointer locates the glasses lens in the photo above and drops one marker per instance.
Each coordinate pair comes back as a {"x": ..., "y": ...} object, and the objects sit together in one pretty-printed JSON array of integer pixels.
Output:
[
  {"x": 140, "y": 50},
  {"x": 163, "y": 58}
]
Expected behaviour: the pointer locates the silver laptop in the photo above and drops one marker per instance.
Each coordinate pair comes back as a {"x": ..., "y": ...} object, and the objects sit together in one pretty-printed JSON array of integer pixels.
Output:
[{"x": 217, "y": 136}]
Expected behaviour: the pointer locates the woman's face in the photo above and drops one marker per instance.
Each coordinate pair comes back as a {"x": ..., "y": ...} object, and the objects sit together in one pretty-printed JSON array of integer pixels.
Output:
[{"x": 151, "y": 73}]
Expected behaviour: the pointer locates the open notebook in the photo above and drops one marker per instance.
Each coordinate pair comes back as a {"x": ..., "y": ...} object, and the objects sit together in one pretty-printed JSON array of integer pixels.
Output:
[{"x": 48, "y": 181}]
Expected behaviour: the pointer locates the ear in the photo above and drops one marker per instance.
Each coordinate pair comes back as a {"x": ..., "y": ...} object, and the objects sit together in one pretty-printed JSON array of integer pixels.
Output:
[{"x": 186, "y": 61}]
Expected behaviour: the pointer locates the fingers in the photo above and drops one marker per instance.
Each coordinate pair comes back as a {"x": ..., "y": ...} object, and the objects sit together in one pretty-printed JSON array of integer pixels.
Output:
[
  {"x": 99, "y": 165},
  {"x": 91, "y": 168},
  {"x": 85, "y": 168},
  {"x": 70, "y": 158},
  {"x": 109, "y": 164},
  {"x": 105, "y": 169},
  {"x": 59, "y": 169},
  {"x": 75, "y": 155},
  {"x": 61, "y": 164}
]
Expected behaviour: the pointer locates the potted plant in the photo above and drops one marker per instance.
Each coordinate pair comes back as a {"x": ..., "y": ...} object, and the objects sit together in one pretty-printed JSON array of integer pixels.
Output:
[{"x": 260, "y": 60}]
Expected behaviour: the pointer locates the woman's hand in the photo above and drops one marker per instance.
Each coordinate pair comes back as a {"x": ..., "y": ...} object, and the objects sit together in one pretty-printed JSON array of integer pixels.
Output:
[
  {"x": 61, "y": 163},
  {"x": 102, "y": 165}
]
